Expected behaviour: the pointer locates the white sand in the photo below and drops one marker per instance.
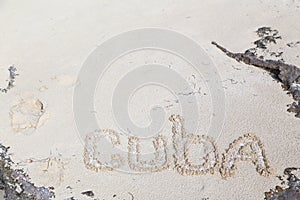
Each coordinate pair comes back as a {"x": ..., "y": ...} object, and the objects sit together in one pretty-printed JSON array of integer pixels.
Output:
[{"x": 48, "y": 42}]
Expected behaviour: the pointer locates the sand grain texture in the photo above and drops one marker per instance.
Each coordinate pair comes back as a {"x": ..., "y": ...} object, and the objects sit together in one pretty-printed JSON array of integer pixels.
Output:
[{"x": 48, "y": 42}]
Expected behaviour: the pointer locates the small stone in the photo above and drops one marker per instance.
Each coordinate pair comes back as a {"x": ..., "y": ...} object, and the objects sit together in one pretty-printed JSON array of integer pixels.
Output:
[{"x": 88, "y": 193}]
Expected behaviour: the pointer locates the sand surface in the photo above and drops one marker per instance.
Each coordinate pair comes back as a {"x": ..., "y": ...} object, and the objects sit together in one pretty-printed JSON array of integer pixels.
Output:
[{"x": 49, "y": 41}]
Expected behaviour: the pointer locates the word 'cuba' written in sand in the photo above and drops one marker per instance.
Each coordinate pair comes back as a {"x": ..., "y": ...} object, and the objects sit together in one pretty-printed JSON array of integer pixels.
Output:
[{"x": 246, "y": 148}]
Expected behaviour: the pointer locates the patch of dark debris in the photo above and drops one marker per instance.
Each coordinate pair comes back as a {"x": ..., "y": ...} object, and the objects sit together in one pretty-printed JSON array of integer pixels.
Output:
[
  {"x": 289, "y": 189},
  {"x": 267, "y": 35},
  {"x": 88, "y": 193},
  {"x": 287, "y": 74},
  {"x": 16, "y": 183},
  {"x": 71, "y": 198},
  {"x": 11, "y": 80},
  {"x": 293, "y": 44}
]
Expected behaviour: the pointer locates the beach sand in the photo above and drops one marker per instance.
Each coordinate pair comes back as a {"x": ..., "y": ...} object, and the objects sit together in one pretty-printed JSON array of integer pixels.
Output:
[{"x": 49, "y": 41}]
